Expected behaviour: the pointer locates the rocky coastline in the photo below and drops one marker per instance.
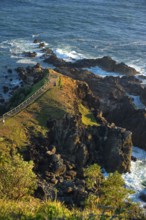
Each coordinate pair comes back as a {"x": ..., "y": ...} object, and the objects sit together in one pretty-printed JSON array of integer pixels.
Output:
[{"x": 70, "y": 145}]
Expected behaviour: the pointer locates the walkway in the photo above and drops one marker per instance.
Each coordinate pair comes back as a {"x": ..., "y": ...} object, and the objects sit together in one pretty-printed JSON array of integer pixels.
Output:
[{"x": 27, "y": 102}]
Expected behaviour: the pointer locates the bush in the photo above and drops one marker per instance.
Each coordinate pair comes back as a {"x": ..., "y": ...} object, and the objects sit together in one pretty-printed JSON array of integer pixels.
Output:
[
  {"x": 17, "y": 179},
  {"x": 93, "y": 177},
  {"x": 108, "y": 195}
]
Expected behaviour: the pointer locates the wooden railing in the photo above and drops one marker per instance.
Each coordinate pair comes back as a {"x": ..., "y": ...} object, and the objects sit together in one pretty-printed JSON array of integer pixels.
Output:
[{"x": 25, "y": 103}]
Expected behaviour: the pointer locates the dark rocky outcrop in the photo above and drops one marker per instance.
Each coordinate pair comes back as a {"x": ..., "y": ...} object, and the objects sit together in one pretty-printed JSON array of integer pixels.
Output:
[
  {"x": 31, "y": 75},
  {"x": 42, "y": 44},
  {"x": 55, "y": 61},
  {"x": 114, "y": 102},
  {"x": 70, "y": 147},
  {"x": 106, "y": 63},
  {"x": 30, "y": 54},
  {"x": 36, "y": 41},
  {"x": 107, "y": 145}
]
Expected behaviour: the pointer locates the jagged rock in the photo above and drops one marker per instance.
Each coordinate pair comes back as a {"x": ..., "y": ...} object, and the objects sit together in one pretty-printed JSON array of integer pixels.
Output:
[
  {"x": 36, "y": 41},
  {"x": 142, "y": 196},
  {"x": 31, "y": 75},
  {"x": 41, "y": 45},
  {"x": 124, "y": 69},
  {"x": 113, "y": 101},
  {"x": 47, "y": 52},
  {"x": 110, "y": 147},
  {"x": 133, "y": 158},
  {"x": 38, "y": 66},
  {"x": 106, "y": 63},
  {"x": 30, "y": 54},
  {"x": 54, "y": 60}
]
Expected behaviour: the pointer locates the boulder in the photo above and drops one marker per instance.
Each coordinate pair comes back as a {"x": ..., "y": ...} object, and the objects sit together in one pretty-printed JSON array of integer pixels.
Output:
[
  {"x": 36, "y": 41},
  {"x": 30, "y": 54},
  {"x": 42, "y": 44},
  {"x": 125, "y": 69},
  {"x": 55, "y": 61}
]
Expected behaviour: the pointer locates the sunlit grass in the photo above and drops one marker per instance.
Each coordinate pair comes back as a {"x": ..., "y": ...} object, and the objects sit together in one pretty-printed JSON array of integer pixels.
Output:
[{"x": 87, "y": 116}]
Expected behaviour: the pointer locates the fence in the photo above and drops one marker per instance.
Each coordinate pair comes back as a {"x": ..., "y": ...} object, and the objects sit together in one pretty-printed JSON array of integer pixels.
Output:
[{"x": 25, "y": 103}]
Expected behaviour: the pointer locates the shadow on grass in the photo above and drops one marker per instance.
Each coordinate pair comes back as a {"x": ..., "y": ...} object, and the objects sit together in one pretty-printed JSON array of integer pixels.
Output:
[{"x": 49, "y": 113}]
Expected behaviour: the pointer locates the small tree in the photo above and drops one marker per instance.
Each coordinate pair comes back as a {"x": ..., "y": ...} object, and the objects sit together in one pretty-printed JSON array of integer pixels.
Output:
[
  {"x": 113, "y": 192},
  {"x": 17, "y": 179},
  {"x": 93, "y": 176}
]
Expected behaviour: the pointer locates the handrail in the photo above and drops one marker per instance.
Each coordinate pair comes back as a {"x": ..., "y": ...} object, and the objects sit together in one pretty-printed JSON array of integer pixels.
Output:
[{"x": 25, "y": 103}]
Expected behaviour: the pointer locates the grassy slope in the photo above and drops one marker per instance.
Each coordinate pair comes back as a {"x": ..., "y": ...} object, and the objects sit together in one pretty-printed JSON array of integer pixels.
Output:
[
  {"x": 53, "y": 104},
  {"x": 15, "y": 133}
]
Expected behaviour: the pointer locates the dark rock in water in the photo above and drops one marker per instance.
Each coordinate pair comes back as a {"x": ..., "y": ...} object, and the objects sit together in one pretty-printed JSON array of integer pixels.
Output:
[
  {"x": 47, "y": 53},
  {"x": 31, "y": 75},
  {"x": 30, "y": 54},
  {"x": 106, "y": 63},
  {"x": 36, "y": 41},
  {"x": 38, "y": 65},
  {"x": 5, "y": 89},
  {"x": 142, "y": 196},
  {"x": 124, "y": 69},
  {"x": 41, "y": 45},
  {"x": 54, "y": 60},
  {"x": 133, "y": 158}
]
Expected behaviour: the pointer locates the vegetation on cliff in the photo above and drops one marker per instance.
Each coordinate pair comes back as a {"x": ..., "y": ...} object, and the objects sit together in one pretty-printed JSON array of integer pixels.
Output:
[{"x": 64, "y": 134}]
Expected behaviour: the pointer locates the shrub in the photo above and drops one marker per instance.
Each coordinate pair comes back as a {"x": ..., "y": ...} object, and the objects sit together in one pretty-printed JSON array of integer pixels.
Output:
[
  {"x": 113, "y": 192},
  {"x": 93, "y": 176},
  {"x": 17, "y": 179}
]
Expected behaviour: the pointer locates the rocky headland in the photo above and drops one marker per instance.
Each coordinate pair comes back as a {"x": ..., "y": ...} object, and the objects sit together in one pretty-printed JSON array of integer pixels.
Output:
[{"x": 81, "y": 120}]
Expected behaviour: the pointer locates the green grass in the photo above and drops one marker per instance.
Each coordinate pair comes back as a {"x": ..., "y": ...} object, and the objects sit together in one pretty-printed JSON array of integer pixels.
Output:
[
  {"x": 87, "y": 116},
  {"x": 37, "y": 210},
  {"x": 38, "y": 85},
  {"x": 47, "y": 106}
]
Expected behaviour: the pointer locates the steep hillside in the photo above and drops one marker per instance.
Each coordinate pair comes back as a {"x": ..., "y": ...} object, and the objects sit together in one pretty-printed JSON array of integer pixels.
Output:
[{"x": 63, "y": 132}]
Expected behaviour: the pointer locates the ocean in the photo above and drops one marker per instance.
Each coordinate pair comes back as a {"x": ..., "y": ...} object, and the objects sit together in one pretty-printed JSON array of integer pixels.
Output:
[{"x": 75, "y": 29}]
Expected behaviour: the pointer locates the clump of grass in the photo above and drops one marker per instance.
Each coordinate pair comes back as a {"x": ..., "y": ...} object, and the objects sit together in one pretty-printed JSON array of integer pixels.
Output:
[
  {"x": 87, "y": 116},
  {"x": 33, "y": 209}
]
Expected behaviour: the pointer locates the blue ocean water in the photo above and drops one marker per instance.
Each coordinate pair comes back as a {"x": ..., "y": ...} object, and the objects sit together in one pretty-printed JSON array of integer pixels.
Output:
[{"x": 74, "y": 28}]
